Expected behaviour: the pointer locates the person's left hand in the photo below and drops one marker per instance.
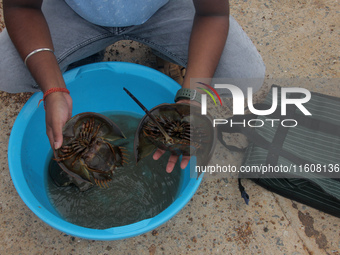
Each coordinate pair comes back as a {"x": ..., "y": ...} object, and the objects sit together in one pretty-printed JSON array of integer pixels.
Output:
[{"x": 173, "y": 158}]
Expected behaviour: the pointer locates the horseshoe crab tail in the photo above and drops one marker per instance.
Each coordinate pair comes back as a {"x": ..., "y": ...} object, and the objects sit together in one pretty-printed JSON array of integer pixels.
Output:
[{"x": 168, "y": 139}]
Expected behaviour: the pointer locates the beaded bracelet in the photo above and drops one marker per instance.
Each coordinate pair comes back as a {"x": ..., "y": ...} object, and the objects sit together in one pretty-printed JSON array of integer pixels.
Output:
[
  {"x": 36, "y": 51},
  {"x": 52, "y": 90}
]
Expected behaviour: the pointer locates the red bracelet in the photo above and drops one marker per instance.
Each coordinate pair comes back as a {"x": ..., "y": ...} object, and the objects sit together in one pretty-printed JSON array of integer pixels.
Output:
[{"x": 52, "y": 90}]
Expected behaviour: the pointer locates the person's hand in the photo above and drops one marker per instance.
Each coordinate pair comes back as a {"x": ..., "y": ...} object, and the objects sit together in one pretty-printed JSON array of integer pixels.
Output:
[
  {"x": 173, "y": 158},
  {"x": 58, "y": 107}
]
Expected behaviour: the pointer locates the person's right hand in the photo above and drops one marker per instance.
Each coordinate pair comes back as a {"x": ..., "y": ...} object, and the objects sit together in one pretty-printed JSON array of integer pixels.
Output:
[{"x": 58, "y": 107}]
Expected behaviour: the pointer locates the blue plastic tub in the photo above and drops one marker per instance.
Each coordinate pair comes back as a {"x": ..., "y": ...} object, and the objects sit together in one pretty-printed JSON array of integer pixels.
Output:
[{"x": 96, "y": 88}]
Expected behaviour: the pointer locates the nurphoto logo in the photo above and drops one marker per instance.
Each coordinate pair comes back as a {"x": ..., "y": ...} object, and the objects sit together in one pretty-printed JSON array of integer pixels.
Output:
[{"x": 239, "y": 107}]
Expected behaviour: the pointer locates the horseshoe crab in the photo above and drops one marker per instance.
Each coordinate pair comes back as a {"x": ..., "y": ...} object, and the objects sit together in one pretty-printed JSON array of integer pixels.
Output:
[
  {"x": 88, "y": 156},
  {"x": 178, "y": 128}
]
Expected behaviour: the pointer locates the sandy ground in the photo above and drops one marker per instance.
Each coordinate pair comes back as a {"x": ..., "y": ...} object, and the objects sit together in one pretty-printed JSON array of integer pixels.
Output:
[{"x": 297, "y": 39}]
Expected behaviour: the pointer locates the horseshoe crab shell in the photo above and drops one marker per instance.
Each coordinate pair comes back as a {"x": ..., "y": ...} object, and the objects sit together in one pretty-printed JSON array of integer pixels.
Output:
[
  {"x": 88, "y": 154},
  {"x": 191, "y": 132}
]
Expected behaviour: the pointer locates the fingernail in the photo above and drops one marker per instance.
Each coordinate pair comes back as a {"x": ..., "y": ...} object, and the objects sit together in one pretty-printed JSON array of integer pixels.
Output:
[{"x": 56, "y": 145}]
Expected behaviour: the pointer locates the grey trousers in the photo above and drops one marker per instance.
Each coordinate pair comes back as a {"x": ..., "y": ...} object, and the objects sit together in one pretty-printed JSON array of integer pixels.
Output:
[{"x": 167, "y": 32}]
